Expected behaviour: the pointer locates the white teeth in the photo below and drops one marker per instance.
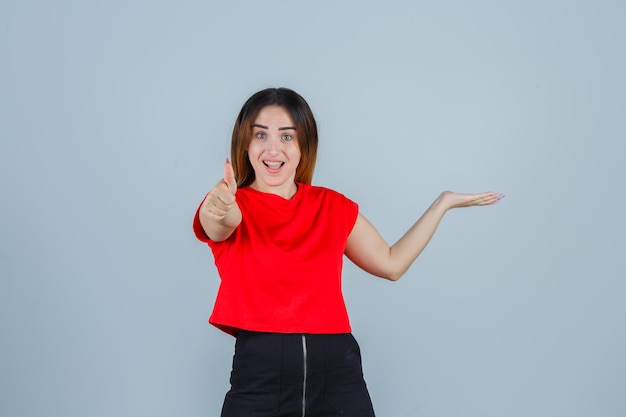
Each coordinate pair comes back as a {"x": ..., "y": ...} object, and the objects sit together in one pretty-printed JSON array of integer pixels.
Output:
[{"x": 273, "y": 164}]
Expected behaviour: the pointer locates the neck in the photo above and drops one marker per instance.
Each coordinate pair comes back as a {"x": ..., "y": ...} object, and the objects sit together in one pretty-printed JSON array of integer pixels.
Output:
[{"x": 286, "y": 191}]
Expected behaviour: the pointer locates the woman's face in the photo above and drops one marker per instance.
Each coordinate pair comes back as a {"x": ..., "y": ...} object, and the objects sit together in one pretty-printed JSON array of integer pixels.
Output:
[{"x": 274, "y": 151}]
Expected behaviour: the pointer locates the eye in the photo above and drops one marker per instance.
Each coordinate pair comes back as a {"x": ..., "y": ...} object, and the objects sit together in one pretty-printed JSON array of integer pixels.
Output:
[
  {"x": 287, "y": 138},
  {"x": 260, "y": 135}
]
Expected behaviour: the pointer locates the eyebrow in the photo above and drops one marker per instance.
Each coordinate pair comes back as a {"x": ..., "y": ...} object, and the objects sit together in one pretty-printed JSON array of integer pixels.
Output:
[{"x": 280, "y": 128}]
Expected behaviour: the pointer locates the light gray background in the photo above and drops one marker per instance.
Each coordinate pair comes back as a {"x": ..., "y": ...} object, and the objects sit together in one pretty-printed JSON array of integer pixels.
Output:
[{"x": 115, "y": 119}]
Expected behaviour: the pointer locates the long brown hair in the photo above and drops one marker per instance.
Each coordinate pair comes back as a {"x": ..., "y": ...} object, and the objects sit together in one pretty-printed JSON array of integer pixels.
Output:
[{"x": 305, "y": 125}]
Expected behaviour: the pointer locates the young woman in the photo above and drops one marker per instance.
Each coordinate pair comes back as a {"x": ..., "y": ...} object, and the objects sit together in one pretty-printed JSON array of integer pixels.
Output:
[{"x": 278, "y": 244}]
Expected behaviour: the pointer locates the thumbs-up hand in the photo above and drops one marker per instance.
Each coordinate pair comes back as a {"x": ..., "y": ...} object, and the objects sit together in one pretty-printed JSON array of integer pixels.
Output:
[{"x": 221, "y": 198}]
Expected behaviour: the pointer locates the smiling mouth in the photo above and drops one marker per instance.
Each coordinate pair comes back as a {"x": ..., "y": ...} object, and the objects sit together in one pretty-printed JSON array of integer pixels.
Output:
[{"x": 273, "y": 164}]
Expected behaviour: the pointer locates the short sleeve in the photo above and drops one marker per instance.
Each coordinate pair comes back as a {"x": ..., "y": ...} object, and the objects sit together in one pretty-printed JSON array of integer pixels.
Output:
[{"x": 352, "y": 214}]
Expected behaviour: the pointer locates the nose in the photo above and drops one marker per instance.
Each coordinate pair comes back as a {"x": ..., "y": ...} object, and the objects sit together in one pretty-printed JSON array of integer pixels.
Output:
[{"x": 273, "y": 145}]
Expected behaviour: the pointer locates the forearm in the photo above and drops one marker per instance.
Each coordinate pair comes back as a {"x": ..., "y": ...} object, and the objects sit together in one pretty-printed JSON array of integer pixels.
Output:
[
  {"x": 406, "y": 250},
  {"x": 367, "y": 249}
]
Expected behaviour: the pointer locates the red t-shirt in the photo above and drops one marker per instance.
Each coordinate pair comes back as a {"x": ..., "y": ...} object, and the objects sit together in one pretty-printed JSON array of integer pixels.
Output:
[{"x": 281, "y": 268}]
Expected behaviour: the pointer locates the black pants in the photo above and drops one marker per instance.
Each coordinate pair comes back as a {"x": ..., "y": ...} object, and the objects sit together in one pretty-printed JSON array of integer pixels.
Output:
[{"x": 297, "y": 375}]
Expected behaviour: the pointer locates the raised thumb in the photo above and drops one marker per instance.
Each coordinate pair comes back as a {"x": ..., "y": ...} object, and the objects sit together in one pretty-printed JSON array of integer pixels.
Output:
[{"x": 229, "y": 177}]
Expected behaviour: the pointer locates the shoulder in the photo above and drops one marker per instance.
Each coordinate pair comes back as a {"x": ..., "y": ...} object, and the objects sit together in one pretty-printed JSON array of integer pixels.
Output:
[
  {"x": 327, "y": 195},
  {"x": 318, "y": 191},
  {"x": 334, "y": 206}
]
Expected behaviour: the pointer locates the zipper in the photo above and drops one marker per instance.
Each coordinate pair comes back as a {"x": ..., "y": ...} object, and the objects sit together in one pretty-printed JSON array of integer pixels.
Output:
[{"x": 305, "y": 375}]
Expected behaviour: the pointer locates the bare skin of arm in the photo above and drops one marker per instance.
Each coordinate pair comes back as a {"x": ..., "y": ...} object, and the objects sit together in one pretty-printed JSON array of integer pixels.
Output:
[
  {"x": 368, "y": 250},
  {"x": 219, "y": 212}
]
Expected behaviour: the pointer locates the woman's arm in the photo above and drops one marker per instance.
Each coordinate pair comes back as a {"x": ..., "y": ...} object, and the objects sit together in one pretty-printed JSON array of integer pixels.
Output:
[
  {"x": 219, "y": 212},
  {"x": 368, "y": 250}
]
